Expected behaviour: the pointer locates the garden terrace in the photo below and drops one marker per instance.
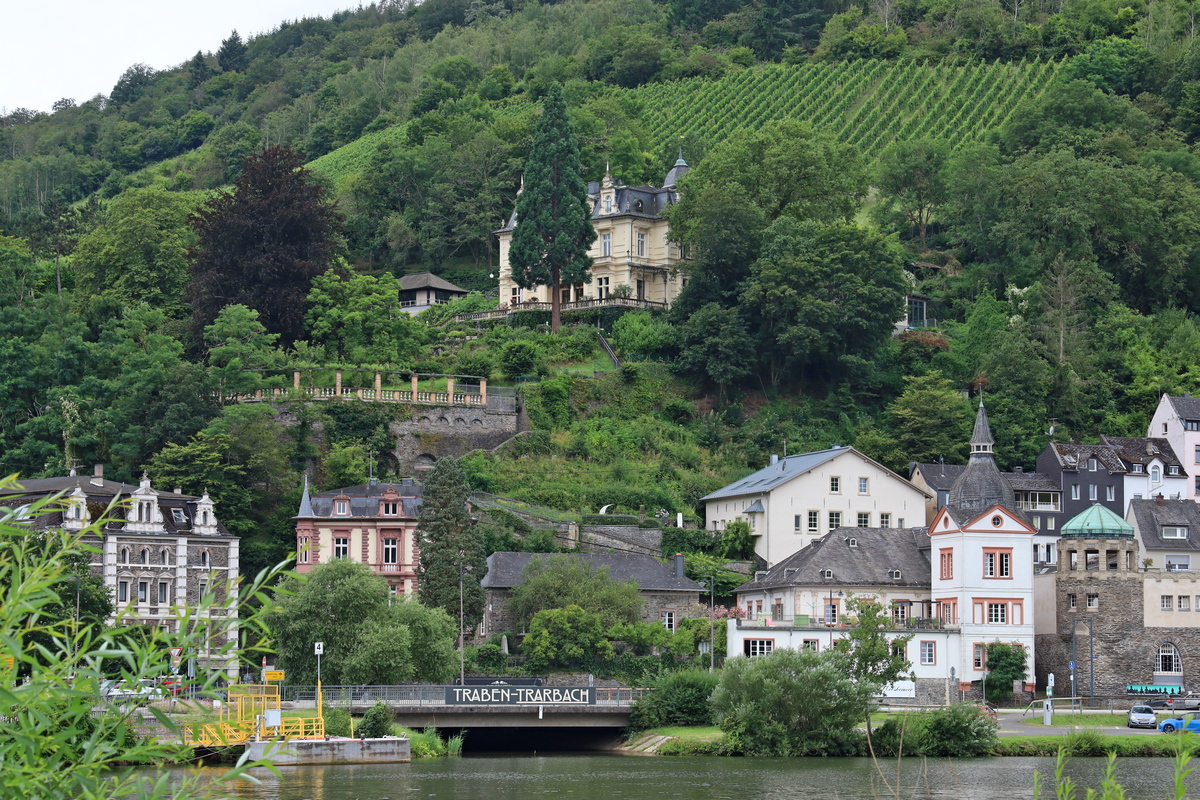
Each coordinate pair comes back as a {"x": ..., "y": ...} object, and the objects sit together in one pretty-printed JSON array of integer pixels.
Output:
[
  {"x": 371, "y": 385},
  {"x": 563, "y": 308}
]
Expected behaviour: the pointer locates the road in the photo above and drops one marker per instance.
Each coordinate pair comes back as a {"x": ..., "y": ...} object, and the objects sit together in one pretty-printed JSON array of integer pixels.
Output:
[{"x": 1012, "y": 723}]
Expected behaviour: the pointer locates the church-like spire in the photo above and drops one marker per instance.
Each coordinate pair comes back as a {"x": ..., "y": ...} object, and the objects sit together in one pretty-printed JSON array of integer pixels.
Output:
[
  {"x": 981, "y": 437},
  {"x": 680, "y": 169},
  {"x": 306, "y": 509}
]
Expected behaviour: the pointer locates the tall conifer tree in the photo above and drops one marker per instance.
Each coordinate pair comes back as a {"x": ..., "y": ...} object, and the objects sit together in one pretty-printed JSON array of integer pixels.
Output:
[
  {"x": 448, "y": 538},
  {"x": 554, "y": 225}
]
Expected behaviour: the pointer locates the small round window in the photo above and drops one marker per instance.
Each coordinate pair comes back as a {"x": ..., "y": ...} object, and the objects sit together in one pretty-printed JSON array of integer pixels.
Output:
[{"x": 997, "y": 520}]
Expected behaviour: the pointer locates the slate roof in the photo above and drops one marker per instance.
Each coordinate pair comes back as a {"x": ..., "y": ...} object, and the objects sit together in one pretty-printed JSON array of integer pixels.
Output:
[
  {"x": 364, "y": 500},
  {"x": 1072, "y": 456},
  {"x": 878, "y": 551},
  {"x": 427, "y": 280},
  {"x": 650, "y": 574},
  {"x": 980, "y": 486},
  {"x": 942, "y": 476},
  {"x": 1134, "y": 450},
  {"x": 1149, "y": 517},
  {"x": 100, "y": 492},
  {"x": 773, "y": 475},
  {"x": 644, "y": 202},
  {"x": 1187, "y": 407}
]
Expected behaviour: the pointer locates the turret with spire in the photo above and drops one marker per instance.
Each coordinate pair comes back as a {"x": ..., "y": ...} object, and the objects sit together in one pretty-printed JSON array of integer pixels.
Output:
[
  {"x": 980, "y": 486},
  {"x": 680, "y": 169}
]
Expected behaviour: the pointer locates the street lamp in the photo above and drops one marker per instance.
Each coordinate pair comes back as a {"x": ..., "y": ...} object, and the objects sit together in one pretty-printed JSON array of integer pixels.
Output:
[
  {"x": 463, "y": 569},
  {"x": 829, "y": 611}
]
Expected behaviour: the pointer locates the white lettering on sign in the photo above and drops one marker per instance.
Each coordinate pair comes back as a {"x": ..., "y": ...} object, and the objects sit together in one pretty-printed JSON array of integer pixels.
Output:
[{"x": 519, "y": 695}]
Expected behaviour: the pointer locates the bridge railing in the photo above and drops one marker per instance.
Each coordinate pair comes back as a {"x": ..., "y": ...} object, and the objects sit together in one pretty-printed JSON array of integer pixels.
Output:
[{"x": 341, "y": 696}]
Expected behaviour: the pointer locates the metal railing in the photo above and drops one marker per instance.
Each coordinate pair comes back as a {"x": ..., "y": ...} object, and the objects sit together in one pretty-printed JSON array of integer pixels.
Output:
[
  {"x": 563, "y": 308},
  {"x": 769, "y": 620},
  {"x": 339, "y": 696}
]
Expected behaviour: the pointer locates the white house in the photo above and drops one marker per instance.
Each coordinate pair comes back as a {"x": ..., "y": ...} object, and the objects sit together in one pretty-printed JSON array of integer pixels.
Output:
[
  {"x": 1152, "y": 467},
  {"x": 1177, "y": 419},
  {"x": 964, "y": 582},
  {"x": 798, "y": 499}
]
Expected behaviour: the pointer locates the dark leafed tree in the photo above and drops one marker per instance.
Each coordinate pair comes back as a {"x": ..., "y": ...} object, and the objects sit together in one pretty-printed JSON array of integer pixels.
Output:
[
  {"x": 198, "y": 70},
  {"x": 263, "y": 243},
  {"x": 132, "y": 84},
  {"x": 449, "y": 538},
  {"x": 232, "y": 55},
  {"x": 554, "y": 226}
]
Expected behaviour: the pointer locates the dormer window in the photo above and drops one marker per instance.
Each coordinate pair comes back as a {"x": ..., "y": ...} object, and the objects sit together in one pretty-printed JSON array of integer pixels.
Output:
[
  {"x": 827, "y": 574},
  {"x": 1092, "y": 465},
  {"x": 1188, "y": 425},
  {"x": 1172, "y": 470},
  {"x": 179, "y": 517},
  {"x": 1154, "y": 473},
  {"x": 342, "y": 507},
  {"x": 895, "y": 575},
  {"x": 608, "y": 203},
  {"x": 1175, "y": 531},
  {"x": 1138, "y": 469},
  {"x": 391, "y": 509},
  {"x": 853, "y": 542}
]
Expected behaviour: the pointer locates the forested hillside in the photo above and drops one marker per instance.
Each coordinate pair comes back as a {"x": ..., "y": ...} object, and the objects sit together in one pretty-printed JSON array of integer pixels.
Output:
[{"x": 1030, "y": 170}]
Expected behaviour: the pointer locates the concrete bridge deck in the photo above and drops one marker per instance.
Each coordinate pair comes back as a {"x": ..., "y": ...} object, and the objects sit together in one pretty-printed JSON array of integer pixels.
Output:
[{"x": 427, "y": 706}]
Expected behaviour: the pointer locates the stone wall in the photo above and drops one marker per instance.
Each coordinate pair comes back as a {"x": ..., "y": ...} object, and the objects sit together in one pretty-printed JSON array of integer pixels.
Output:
[
  {"x": 430, "y": 433},
  {"x": 621, "y": 538},
  {"x": 498, "y": 619}
]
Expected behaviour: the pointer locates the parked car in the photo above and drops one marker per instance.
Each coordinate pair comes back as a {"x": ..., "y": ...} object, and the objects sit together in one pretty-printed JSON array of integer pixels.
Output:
[
  {"x": 172, "y": 686},
  {"x": 1142, "y": 716},
  {"x": 1184, "y": 702},
  {"x": 143, "y": 691},
  {"x": 1184, "y": 722}
]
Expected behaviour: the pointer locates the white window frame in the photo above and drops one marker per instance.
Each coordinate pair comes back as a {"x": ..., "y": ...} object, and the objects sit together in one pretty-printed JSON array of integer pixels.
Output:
[
  {"x": 814, "y": 521},
  {"x": 1092, "y": 600},
  {"x": 1091, "y": 492},
  {"x": 1074, "y": 491},
  {"x": 1174, "y": 531},
  {"x": 835, "y": 484},
  {"x": 1110, "y": 493},
  {"x": 606, "y": 244},
  {"x": 641, "y": 244},
  {"x": 885, "y": 519},
  {"x": 341, "y": 547},
  {"x": 1166, "y": 602},
  {"x": 123, "y": 591},
  {"x": 760, "y": 647},
  {"x": 391, "y": 550},
  {"x": 835, "y": 519},
  {"x": 164, "y": 594},
  {"x": 997, "y": 613},
  {"x": 864, "y": 486},
  {"x": 1184, "y": 602},
  {"x": 797, "y": 524},
  {"x": 864, "y": 519},
  {"x": 305, "y": 546},
  {"x": 928, "y": 653},
  {"x": 667, "y": 618}
]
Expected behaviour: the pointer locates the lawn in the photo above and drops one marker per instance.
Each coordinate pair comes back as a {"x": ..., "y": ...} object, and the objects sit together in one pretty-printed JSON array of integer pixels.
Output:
[
  {"x": 1067, "y": 718},
  {"x": 689, "y": 734}
]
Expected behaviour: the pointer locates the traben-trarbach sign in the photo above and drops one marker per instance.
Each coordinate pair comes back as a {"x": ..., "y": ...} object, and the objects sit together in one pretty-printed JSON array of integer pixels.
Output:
[{"x": 520, "y": 696}]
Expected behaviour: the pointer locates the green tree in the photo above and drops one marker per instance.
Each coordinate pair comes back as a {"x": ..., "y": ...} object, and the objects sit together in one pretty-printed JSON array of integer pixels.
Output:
[
  {"x": 237, "y": 341},
  {"x": 138, "y": 253},
  {"x": 714, "y": 343},
  {"x": 911, "y": 178},
  {"x": 554, "y": 229},
  {"x": 449, "y": 540},
  {"x": 358, "y": 319},
  {"x": 262, "y": 244},
  {"x": 736, "y": 540},
  {"x": 368, "y": 638},
  {"x": 561, "y": 637},
  {"x": 562, "y": 580},
  {"x": 791, "y": 703},
  {"x": 931, "y": 420},
  {"x": 232, "y": 54},
  {"x": 875, "y": 658},
  {"x": 825, "y": 297},
  {"x": 1005, "y": 664}
]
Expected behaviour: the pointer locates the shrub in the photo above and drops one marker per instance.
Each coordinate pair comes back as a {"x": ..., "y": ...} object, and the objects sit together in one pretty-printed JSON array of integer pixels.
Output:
[
  {"x": 337, "y": 722},
  {"x": 490, "y": 658},
  {"x": 679, "y": 698},
  {"x": 791, "y": 703},
  {"x": 477, "y": 363},
  {"x": 563, "y": 636},
  {"x": 519, "y": 358},
  {"x": 685, "y": 540},
  {"x": 901, "y": 735},
  {"x": 957, "y": 731},
  {"x": 377, "y": 722}
]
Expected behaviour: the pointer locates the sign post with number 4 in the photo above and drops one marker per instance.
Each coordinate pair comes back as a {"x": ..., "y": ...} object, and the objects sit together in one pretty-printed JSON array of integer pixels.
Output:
[{"x": 319, "y": 649}]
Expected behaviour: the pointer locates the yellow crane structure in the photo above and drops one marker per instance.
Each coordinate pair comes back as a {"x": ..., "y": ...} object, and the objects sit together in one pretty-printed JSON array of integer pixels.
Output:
[{"x": 252, "y": 713}]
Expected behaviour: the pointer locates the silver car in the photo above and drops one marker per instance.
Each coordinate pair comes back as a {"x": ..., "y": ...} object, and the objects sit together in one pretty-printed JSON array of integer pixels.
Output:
[{"x": 1142, "y": 717}]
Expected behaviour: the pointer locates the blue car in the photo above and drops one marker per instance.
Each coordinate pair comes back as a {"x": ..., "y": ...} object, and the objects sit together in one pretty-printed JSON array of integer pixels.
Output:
[{"x": 1184, "y": 722}]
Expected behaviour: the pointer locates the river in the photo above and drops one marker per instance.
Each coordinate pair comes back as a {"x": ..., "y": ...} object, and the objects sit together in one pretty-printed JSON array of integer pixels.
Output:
[{"x": 613, "y": 777}]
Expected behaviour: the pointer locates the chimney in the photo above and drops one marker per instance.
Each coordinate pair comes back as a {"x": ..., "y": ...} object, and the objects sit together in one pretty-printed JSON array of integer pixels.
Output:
[
  {"x": 1018, "y": 470},
  {"x": 97, "y": 475},
  {"x": 1187, "y": 394},
  {"x": 178, "y": 490},
  {"x": 1158, "y": 499},
  {"x": 774, "y": 459},
  {"x": 1149, "y": 447},
  {"x": 679, "y": 565}
]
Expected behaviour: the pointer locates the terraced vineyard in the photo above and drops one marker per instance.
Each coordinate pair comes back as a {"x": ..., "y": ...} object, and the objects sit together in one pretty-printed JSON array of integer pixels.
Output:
[{"x": 866, "y": 103}]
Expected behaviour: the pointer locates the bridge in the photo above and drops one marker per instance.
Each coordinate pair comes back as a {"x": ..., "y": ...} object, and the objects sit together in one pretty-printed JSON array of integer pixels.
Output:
[{"x": 490, "y": 706}]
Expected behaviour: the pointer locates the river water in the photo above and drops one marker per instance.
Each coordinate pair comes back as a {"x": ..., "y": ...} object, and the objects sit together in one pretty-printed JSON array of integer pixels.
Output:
[{"x": 613, "y": 777}]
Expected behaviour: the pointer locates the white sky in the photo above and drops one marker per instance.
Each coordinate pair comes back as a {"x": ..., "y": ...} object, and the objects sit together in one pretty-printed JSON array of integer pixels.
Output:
[{"x": 79, "y": 48}]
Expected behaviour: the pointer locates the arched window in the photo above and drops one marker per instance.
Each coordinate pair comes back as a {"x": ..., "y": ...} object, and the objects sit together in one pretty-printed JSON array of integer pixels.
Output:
[
  {"x": 164, "y": 556},
  {"x": 204, "y": 558},
  {"x": 124, "y": 555},
  {"x": 1168, "y": 660},
  {"x": 145, "y": 556},
  {"x": 1154, "y": 474}
]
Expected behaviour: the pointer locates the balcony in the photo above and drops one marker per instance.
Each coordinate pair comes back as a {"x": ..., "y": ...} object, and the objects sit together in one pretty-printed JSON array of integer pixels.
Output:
[
  {"x": 1036, "y": 505},
  {"x": 817, "y": 622}
]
